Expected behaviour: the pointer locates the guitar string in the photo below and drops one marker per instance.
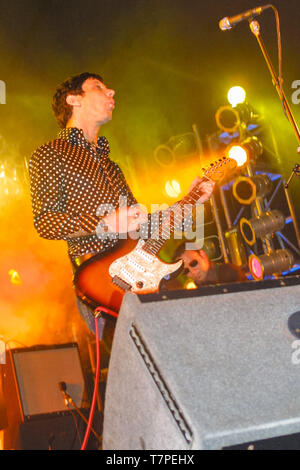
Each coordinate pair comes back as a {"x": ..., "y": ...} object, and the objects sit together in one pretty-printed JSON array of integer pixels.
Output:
[{"x": 156, "y": 242}]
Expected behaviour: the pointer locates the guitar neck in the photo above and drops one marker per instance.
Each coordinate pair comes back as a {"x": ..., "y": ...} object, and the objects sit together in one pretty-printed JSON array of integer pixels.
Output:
[{"x": 173, "y": 216}]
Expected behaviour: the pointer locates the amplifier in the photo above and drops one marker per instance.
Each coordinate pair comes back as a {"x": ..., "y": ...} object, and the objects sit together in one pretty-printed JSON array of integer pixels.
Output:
[{"x": 31, "y": 389}]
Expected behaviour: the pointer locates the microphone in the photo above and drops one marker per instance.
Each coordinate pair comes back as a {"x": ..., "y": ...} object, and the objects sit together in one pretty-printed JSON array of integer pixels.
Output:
[
  {"x": 229, "y": 21},
  {"x": 63, "y": 387}
]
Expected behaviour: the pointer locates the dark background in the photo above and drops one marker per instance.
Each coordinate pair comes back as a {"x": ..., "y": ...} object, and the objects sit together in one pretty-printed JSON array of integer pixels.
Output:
[{"x": 169, "y": 62}]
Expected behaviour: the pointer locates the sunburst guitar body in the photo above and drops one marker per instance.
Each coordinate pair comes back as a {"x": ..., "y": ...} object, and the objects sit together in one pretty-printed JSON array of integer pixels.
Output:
[{"x": 103, "y": 279}]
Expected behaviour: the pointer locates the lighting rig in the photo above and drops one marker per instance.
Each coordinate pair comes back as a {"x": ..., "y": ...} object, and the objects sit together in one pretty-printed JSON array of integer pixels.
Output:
[
  {"x": 261, "y": 229},
  {"x": 251, "y": 214}
]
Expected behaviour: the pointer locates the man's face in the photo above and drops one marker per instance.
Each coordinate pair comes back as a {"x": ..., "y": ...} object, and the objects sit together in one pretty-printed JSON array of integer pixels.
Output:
[
  {"x": 196, "y": 264},
  {"x": 97, "y": 102}
]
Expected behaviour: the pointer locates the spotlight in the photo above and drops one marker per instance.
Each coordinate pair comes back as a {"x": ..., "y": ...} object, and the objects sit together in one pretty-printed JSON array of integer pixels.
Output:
[
  {"x": 230, "y": 119},
  {"x": 172, "y": 188},
  {"x": 190, "y": 285},
  {"x": 15, "y": 277},
  {"x": 259, "y": 227},
  {"x": 273, "y": 263},
  {"x": 236, "y": 95},
  {"x": 239, "y": 154},
  {"x": 177, "y": 147},
  {"x": 246, "y": 189},
  {"x": 249, "y": 149}
]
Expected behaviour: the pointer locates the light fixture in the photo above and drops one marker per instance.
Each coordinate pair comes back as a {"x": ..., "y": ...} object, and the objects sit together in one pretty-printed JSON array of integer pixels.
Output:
[
  {"x": 258, "y": 227},
  {"x": 239, "y": 154},
  {"x": 2, "y": 171},
  {"x": 273, "y": 263},
  {"x": 190, "y": 284},
  {"x": 246, "y": 189},
  {"x": 236, "y": 95},
  {"x": 228, "y": 119},
  {"x": 177, "y": 147},
  {"x": 15, "y": 277},
  {"x": 231, "y": 119},
  {"x": 250, "y": 149},
  {"x": 172, "y": 188}
]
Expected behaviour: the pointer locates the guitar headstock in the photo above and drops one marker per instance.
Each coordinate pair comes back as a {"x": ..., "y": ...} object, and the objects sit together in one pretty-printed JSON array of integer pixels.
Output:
[{"x": 218, "y": 169}]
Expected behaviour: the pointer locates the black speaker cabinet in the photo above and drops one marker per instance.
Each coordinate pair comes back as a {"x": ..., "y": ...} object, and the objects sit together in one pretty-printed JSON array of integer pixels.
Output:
[
  {"x": 36, "y": 410},
  {"x": 211, "y": 368}
]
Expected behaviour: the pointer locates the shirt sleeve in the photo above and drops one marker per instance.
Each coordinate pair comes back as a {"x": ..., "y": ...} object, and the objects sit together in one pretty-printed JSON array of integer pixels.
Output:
[{"x": 47, "y": 195}]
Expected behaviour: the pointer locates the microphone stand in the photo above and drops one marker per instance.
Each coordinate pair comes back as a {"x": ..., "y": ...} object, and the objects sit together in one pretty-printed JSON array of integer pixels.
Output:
[{"x": 255, "y": 29}]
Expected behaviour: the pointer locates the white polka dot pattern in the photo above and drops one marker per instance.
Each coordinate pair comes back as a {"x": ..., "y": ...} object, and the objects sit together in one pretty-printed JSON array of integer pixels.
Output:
[{"x": 69, "y": 179}]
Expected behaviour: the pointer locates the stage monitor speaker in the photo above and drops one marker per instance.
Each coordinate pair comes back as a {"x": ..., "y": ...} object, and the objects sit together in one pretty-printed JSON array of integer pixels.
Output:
[
  {"x": 31, "y": 386},
  {"x": 210, "y": 368}
]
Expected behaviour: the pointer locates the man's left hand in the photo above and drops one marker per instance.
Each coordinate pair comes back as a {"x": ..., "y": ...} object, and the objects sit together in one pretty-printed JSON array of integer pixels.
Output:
[{"x": 207, "y": 187}]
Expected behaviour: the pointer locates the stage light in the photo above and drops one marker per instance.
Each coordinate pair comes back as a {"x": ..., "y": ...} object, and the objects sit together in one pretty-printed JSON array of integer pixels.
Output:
[
  {"x": 236, "y": 95},
  {"x": 172, "y": 188},
  {"x": 249, "y": 149},
  {"x": 176, "y": 149},
  {"x": 239, "y": 154},
  {"x": 15, "y": 277},
  {"x": 246, "y": 189},
  {"x": 272, "y": 263},
  {"x": 228, "y": 119},
  {"x": 258, "y": 227},
  {"x": 2, "y": 171},
  {"x": 190, "y": 285},
  {"x": 232, "y": 119}
]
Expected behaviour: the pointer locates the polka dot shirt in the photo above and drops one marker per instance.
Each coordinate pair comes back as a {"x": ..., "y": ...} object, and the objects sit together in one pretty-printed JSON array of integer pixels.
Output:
[{"x": 69, "y": 179}]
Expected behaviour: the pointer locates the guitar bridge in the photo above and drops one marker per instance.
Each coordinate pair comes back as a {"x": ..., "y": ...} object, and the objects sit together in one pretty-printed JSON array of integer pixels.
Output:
[{"x": 121, "y": 283}]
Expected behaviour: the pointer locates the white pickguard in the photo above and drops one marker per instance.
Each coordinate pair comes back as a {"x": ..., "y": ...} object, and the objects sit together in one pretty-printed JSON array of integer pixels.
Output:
[{"x": 142, "y": 270}]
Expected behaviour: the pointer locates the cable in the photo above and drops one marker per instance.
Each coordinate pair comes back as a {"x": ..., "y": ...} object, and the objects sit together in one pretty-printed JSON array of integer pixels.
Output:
[
  {"x": 97, "y": 375},
  {"x": 77, "y": 433},
  {"x": 107, "y": 310}
]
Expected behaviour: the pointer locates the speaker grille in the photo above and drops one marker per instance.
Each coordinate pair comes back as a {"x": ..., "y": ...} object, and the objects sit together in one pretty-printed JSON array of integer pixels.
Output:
[{"x": 39, "y": 370}]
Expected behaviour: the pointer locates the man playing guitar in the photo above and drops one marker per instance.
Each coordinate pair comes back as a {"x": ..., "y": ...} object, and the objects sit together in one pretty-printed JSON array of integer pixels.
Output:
[{"x": 72, "y": 176}]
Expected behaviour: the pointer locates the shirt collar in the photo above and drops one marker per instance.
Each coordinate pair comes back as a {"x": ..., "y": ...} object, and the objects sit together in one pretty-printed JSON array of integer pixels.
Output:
[{"x": 76, "y": 137}]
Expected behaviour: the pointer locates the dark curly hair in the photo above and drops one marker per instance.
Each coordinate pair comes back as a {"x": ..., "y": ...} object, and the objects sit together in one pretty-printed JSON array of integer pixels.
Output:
[{"x": 71, "y": 86}]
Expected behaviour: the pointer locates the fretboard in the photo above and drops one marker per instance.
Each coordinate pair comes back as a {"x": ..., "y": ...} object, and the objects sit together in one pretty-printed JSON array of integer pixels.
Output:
[{"x": 172, "y": 218}]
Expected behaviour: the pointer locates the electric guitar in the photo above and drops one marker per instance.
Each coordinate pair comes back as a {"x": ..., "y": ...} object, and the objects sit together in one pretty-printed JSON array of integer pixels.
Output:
[{"x": 133, "y": 265}]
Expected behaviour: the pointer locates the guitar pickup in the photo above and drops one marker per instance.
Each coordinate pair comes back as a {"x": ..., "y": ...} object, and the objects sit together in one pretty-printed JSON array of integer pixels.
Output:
[{"x": 121, "y": 283}]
